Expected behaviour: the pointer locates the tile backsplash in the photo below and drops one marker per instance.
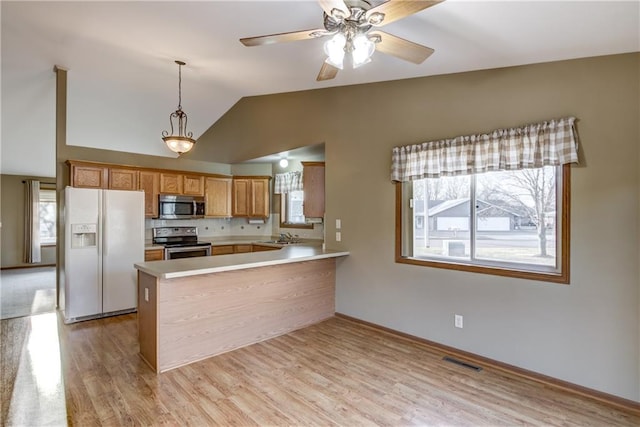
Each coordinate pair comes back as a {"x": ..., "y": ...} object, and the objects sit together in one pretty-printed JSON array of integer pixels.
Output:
[{"x": 216, "y": 227}]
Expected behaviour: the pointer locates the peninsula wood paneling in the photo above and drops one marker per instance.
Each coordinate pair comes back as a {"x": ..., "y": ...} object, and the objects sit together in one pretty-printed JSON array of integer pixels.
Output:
[{"x": 201, "y": 316}]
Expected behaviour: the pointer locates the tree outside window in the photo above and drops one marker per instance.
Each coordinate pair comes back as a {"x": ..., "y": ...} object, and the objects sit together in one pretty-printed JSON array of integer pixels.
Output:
[{"x": 47, "y": 210}]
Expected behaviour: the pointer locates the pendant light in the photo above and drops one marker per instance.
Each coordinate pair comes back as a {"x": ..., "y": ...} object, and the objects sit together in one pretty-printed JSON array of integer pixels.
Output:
[{"x": 183, "y": 141}]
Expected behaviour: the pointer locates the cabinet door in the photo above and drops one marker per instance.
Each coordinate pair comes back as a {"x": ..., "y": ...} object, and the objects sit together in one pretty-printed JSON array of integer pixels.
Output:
[
  {"x": 222, "y": 250},
  {"x": 154, "y": 255},
  {"x": 259, "y": 198},
  {"x": 149, "y": 182},
  {"x": 313, "y": 185},
  {"x": 263, "y": 248},
  {"x": 242, "y": 248},
  {"x": 218, "y": 197},
  {"x": 123, "y": 179},
  {"x": 88, "y": 176},
  {"x": 193, "y": 185},
  {"x": 241, "y": 197},
  {"x": 171, "y": 183}
]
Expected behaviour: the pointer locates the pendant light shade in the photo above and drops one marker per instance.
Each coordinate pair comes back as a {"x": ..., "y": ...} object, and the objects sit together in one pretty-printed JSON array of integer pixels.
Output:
[{"x": 182, "y": 141}]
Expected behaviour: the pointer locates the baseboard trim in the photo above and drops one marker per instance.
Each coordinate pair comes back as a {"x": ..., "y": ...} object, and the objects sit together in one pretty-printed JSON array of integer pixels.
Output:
[
  {"x": 16, "y": 267},
  {"x": 618, "y": 402}
]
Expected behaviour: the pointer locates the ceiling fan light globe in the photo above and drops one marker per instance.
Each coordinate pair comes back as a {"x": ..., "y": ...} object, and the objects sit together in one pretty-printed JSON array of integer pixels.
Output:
[
  {"x": 363, "y": 48},
  {"x": 334, "y": 48}
]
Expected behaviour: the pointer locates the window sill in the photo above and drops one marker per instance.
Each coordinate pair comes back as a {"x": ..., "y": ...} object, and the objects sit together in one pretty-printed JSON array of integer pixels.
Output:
[
  {"x": 561, "y": 278},
  {"x": 301, "y": 226}
]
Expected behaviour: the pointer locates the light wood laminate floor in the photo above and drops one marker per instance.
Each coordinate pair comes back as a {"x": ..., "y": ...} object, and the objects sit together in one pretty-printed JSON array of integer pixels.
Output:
[{"x": 337, "y": 372}]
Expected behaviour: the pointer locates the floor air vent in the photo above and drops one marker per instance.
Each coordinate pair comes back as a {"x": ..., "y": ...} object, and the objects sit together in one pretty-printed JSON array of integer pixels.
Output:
[{"x": 461, "y": 363}]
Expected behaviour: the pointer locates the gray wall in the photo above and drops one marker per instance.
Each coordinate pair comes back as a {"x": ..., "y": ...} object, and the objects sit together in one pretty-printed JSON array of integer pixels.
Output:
[{"x": 587, "y": 332}]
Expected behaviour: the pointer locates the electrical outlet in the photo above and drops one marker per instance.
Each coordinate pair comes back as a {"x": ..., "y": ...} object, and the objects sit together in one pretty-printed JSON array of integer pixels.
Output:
[{"x": 457, "y": 321}]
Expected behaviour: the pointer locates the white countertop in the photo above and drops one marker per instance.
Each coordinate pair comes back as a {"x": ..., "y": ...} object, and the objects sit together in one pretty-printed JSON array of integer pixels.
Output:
[{"x": 184, "y": 267}]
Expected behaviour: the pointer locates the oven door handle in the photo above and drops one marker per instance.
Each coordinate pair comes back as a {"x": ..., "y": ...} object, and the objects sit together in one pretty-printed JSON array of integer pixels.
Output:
[{"x": 168, "y": 251}]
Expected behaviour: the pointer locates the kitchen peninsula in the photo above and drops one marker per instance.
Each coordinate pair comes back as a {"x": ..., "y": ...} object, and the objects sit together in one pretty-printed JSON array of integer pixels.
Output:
[{"x": 193, "y": 308}]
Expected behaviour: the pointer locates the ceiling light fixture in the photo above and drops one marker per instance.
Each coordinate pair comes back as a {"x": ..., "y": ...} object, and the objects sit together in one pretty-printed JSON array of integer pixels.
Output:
[
  {"x": 284, "y": 163},
  {"x": 183, "y": 141}
]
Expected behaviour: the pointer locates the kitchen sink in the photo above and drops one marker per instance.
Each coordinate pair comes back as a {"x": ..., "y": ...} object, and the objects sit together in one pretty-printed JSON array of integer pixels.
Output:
[{"x": 281, "y": 242}]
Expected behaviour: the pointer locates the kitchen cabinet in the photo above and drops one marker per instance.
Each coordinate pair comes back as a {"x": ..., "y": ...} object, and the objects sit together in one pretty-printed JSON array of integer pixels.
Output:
[
  {"x": 149, "y": 182},
  {"x": 154, "y": 254},
  {"x": 123, "y": 179},
  {"x": 242, "y": 248},
  {"x": 86, "y": 175},
  {"x": 250, "y": 197},
  {"x": 217, "y": 193},
  {"x": 222, "y": 250},
  {"x": 193, "y": 185},
  {"x": 171, "y": 183},
  {"x": 313, "y": 186},
  {"x": 262, "y": 248}
]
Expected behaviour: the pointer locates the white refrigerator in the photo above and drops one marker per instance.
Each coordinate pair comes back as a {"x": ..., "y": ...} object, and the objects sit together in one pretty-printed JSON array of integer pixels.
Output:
[{"x": 104, "y": 238}]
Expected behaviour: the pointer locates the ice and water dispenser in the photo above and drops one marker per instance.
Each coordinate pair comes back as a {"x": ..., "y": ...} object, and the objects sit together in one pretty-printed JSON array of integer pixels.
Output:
[{"x": 84, "y": 235}]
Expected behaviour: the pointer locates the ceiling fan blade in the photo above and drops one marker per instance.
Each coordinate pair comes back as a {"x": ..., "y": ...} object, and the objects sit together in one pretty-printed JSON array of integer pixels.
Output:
[
  {"x": 331, "y": 6},
  {"x": 393, "y": 10},
  {"x": 327, "y": 72},
  {"x": 401, "y": 48},
  {"x": 284, "y": 37}
]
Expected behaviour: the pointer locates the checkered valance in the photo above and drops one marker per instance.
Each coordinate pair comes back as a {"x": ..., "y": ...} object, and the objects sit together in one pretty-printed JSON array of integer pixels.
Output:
[
  {"x": 287, "y": 182},
  {"x": 549, "y": 143}
]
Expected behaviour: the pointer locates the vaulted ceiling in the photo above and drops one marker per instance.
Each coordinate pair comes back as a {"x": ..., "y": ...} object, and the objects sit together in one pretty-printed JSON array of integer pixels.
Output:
[{"x": 123, "y": 80}]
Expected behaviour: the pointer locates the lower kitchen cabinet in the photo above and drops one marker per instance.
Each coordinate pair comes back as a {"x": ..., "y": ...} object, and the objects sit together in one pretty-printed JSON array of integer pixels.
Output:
[
  {"x": 222, "y": 250},
  {"x": 154, "y": 255},
  {"x": 262, "y": 248},
  {"x": 238, "y": 249}
]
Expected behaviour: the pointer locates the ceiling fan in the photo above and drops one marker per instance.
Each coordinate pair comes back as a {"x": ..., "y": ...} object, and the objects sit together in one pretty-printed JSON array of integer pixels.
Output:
[{"x": 353, "y": 25}]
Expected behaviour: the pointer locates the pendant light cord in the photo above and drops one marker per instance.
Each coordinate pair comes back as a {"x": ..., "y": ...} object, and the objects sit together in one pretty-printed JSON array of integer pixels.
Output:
[{"x": 179, "y": 86}]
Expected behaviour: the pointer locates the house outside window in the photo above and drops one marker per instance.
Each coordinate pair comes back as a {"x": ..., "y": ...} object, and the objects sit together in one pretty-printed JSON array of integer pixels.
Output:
[{"x": 500, "y": 220}]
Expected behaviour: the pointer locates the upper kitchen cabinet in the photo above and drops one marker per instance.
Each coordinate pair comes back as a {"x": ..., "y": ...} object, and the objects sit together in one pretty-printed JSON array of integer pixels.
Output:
[
  {"x": 177, "y": 183},
  {"x": 193, "y": 185},
  {"x": 171, "y": 183},
  {"x": 87, "y": 175},
  {"x": 149, "y": 182},
  {"x": 123, "y": 179},
  {"x": 251, "y": 197},
  {"x": 313, "y": 185},
  {"x": 217, "y": 197}
]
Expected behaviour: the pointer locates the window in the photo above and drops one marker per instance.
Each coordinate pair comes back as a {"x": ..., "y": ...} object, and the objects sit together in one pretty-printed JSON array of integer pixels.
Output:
[
  {"x": 510, "y": 223},
  {"x": 293, "y": 207},
  {"x": 495, "y": 203},
  {"x": 47, "y": 211}
]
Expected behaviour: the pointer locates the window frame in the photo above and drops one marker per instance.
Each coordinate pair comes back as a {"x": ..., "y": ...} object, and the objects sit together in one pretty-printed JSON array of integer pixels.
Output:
[{"x": 561, "y": 277}]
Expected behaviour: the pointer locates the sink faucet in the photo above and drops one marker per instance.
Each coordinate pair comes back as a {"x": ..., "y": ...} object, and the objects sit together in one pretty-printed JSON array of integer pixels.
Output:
[{"x": 287, "y": 237}]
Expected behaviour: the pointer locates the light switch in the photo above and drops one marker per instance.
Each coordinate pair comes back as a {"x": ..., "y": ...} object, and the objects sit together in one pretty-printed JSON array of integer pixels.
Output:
[
  {"x": 338, "y": 236},
  {"x": 338, "y": 224},
  {"x": 146, "y": 294}
]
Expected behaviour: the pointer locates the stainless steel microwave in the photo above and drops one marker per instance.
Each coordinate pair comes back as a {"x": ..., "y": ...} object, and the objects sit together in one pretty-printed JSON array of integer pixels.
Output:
[{"x": 180, "y": 207}]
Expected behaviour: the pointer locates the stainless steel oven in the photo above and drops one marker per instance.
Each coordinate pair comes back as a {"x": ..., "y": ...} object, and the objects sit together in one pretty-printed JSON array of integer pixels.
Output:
[{"x": 180, "y": 242}]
